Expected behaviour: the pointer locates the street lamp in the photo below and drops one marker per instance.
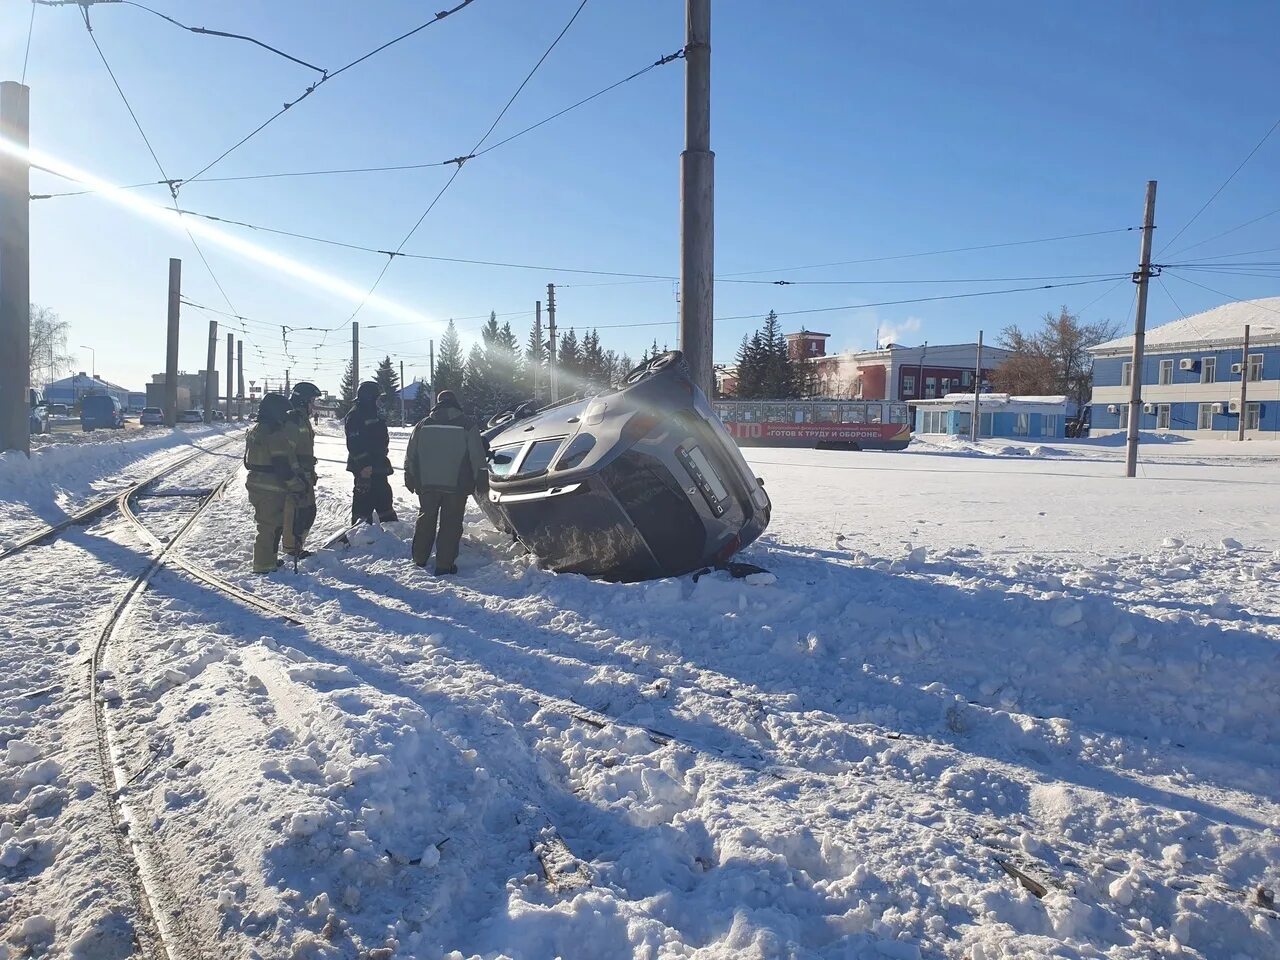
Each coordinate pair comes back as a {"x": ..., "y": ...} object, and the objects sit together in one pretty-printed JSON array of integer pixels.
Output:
[{"x": 94, "y": 355}]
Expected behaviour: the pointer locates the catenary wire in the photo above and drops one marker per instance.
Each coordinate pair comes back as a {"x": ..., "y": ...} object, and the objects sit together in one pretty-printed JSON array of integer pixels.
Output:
[
  {"x": 31, "y": 26},
  {"x": 1223, "y": 294},
  {"x": 317, "y": 84},
  {"x": 222, "y": 33},
  {"x": 1256, "y": 147},
  {"x": 1219, "y": 236}
]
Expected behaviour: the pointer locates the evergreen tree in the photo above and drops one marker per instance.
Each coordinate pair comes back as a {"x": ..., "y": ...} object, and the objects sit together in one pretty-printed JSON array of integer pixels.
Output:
[
  {"x": 569, "y": 361},
  {"x": 347, "y": 391},
  {"x": 420, "y": 406},
  {"x": 475, "y": 383},
  {"x": 389, "y": 382},
  {"x": 751, "y": 360},
  {"x": 449, "y": 363},
  {"x": 535, "y": 361},
  {"x": 595, "y": 370},
  {"x": 778, "y": 379},
  {"x": 508, "y": 365},
  {"x": 625, "y": 366}
]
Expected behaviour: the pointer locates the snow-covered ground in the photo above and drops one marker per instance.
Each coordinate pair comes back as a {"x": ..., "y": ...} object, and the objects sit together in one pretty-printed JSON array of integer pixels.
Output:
[{"x": 968, "y": 657}]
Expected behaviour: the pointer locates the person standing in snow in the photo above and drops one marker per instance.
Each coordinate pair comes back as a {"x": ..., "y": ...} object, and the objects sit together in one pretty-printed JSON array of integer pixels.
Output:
[
  {"x": 274, "y": 476},
  {"x": 367, "y": 444},
  {"x": 300, "y": 508},
  {"x": 444, "y": 464}
]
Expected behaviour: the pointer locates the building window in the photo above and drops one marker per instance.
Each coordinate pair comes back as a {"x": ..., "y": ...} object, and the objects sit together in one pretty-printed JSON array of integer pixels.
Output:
[
  {"x": 1162, "y": 416},
  {"x": 933, "y": 421},
  {"x": 908, "y": 386},
  {"x": 1022, "y": 425},
  {"x": 1206, "y": 416},
  {"x": 1124, "y": 417},
  {"x": 966, "y": 379},
  {"x": 930, "y": 387},
  {"x": 1126, "y": 373},
  {"x": 1255, "y": 366},
  {"x": 1209, "y": 370},
  {"x": 964, "y": 423},
  {"x": 986, "y": 424},
  {"x": 1252, "y": 415},
  {"x": 1049, "y": 425},
  {"x": 1166, "y": 372}
]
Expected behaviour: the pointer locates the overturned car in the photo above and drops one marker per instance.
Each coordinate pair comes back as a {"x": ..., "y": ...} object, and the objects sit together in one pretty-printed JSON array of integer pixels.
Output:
[{"x": 640, "y": 483}]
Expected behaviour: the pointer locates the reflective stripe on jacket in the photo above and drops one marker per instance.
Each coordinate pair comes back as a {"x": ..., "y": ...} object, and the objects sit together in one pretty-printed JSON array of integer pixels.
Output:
[
  {"x": 446, "y": 453},
  {"x": 270, "y": 458},
  {"x": 303, "y": 435}
]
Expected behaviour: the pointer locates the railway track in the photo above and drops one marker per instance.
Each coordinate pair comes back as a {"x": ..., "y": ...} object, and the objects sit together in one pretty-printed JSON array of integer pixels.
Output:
[{"x": 102, "y": 505}]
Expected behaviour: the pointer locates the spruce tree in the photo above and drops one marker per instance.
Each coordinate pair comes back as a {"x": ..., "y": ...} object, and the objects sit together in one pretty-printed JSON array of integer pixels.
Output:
[
  {"x": 535, "y": 361},
  {"x": 420, "y": 406},
  {"x": 569, "y": 361},
  {"x": 476, "y": 385},
  {"x": 449, "y": 363},
  {"x": 347, "y": 391},
  {"x": 389, "y": 382}
]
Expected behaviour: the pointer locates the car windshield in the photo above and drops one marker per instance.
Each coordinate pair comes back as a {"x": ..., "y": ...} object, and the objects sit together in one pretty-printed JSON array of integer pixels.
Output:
[{"x": 150, "y": 409}]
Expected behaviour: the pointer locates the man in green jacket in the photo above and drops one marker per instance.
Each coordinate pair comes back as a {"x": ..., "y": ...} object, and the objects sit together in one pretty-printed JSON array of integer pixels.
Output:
[{"x": 443, "y": 465}]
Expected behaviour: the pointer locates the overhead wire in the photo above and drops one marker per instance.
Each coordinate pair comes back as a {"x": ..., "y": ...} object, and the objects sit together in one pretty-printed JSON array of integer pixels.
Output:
[
  {"x": 317, "y": 84},
  {"x": 1205, "y": 206},
  {"x": 1219, "y": 236},
  {"x": 31, "y": 26},
  {"x": 1221, "y": 293}
]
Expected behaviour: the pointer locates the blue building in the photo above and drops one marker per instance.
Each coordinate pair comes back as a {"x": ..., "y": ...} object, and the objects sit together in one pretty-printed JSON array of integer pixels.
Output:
[
  {"x": 1192, "y": 372},
  {"x": 999, "y": 415},
  {"x": 71, "y": 389}
]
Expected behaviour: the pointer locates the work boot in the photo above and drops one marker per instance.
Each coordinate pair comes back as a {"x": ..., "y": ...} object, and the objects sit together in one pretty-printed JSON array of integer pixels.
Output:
[{"x": 446, "y": 571}]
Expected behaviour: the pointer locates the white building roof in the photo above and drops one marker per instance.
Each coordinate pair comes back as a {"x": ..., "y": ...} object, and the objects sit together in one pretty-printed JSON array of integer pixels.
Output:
[
  {"x": 994, "y": 401},
  {"x": 1220, "y": 327}
]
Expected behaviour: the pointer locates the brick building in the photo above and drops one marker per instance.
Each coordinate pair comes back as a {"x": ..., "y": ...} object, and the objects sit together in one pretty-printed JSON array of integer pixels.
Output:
[{"x": 893, "y": 372}]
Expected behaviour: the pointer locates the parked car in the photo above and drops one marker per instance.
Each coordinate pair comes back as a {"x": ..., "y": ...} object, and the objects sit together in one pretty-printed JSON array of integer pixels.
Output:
[
  {"x": 151, "y": 417},
  {"x": 635, "y": 484},
  {"x": 58, "y": 410},
  {"x": 38, "y": 415},
  {"x": 100, "y": 410},
  {"x": 191, "y": 416}
]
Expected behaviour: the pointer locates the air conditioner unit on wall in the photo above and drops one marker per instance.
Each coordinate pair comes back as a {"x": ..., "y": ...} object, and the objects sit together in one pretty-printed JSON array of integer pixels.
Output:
[
  {"x": 1148, "y": 408},
  {"x": 1217, "y": 407},
  {"x": 1112, "y": 408},
  {"x": 1237, "y": 368},
  {"x": 1186, "y": 363},
  {"x": 1233, "y": 406}
]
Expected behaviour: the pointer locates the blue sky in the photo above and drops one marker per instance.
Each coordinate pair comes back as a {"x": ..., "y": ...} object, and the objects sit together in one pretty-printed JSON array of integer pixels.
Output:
[{"x": 842, "y": 131}]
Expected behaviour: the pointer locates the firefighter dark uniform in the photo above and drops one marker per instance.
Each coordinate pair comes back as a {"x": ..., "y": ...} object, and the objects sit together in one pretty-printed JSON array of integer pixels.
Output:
[
  {"x": 274, "y": 475},
  {"x": 300, "y": 508},
  {"x": 443, "y": 464},
  {"x": 367, "y": 444}
]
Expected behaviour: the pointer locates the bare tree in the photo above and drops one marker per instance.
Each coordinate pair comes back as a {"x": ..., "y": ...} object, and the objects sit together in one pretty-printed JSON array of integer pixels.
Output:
[
  {"x": 1053, "y": 360},
  {"x": 48, "y": 359}
]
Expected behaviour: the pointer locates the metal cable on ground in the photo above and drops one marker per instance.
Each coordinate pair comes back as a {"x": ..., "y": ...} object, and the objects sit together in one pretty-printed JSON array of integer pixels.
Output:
[
  {"x": 1256, "y": 147},
  {"x": 461, "y": 160},
  {"x": 315, "y": 86}
]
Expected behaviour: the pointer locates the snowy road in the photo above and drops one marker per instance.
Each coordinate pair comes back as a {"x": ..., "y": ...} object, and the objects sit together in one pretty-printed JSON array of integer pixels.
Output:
[{"x": 964, "y": 659}]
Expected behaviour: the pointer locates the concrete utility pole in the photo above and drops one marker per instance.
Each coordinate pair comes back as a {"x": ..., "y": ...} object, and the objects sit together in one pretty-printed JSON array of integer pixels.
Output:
[
  {"x": 15, "y": 270},
  {"x": 239, "y": 378},
  {"x": 537, "y": 338},
  {"x": 210, "y": 374},
  {"x": 1244, "y": 383},
  {"x": 355, "y": 353},
  {"x": 288, "y": 382},
  {"x": 553, "y": 377},
  {"x": 402, "y": 393},
  {"x": 977, "y": 390},
  {"x": 431, "y": 366},
  {"x": 1139, "y": 333},
  {"x": 231, "y": 368},
  {"x": 171, "y": 344},
  {"x": 697, "y": 199}
]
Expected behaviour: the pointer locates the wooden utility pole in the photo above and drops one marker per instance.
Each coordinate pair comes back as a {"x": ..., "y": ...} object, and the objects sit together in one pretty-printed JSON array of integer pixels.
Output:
[
  {"x": 171, "y": 344},
  {"x": 239, "y": 378},
  {"x": 977, "y": 391},
  {"x": 15, "y": 270},
  {"x": 210, "y": 374},
  {"x": 1139, "y": 333},
  {"x": 1244, "y": 384},
  {"x": 231, "y": 369},
  {"x": 553, "y": 377},
  {"x": 355, "y": 353},
  {"x": 697, "y": 200}
]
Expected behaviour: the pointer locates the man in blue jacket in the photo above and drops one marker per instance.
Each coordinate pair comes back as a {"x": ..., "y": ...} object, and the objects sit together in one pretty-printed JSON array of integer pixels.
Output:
[{"x": 367, "y": 444}]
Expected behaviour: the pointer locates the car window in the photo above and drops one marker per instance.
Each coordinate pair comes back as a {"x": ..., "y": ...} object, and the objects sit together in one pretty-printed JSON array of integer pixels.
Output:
[
  {"x": 503, "y": 458},
  {"x": 576, "y": 452},
  {"x": 539, "y": 456}
]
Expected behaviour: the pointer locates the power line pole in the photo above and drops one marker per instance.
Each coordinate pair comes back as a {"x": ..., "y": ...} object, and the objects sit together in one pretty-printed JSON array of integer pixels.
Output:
[
  {"x": 355, "y": 353},
  {"x": 210, "y": 374},
  {"x": 15, "y": 270},
  {"x": 231, "y": 369},
  {"x": 431, "y": 363},
  {"x": 553, "y": 377},
  {"x": 1139, "y": 333},
  {"x": 1244, "y": 383},
  {"x": 697, "y": 199},
  {"x": 402, "y": 393},
  {"x": 239, "y": 378},
  {"x": 171, "y": 344},
  {"x": 977, "y": 390}
]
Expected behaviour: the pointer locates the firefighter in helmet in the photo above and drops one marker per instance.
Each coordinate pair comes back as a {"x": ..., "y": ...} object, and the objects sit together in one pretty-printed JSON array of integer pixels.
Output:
[
  {"x": 274, "y": 475},
  {"x": 300, "y": 508},
  {"x": 368, "y": 441}
]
